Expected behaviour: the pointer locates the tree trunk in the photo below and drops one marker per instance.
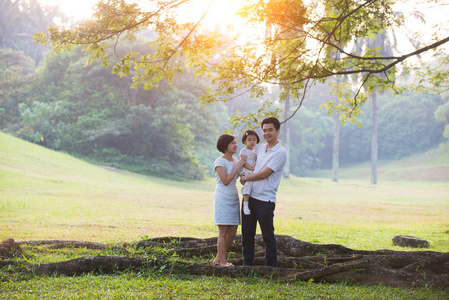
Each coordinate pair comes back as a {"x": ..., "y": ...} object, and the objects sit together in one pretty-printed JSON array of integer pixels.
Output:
[
  {"x": 337, "y": 126},
  {"x": 374, "y": 141},
  {"x": 335, "y": 155},
  {"x": 286, "y": 142}
]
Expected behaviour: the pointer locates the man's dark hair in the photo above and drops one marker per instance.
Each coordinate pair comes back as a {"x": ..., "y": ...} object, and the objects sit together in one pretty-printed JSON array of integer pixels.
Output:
[
  {"x": 223, "y": 141},
  {"x": 248, "y": 133},
  {"x": 271, "y": 120}
]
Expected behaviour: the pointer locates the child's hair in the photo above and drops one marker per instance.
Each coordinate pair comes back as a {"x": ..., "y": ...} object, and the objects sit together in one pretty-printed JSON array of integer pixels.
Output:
[
  {"x": 248, "y": 133},
  {"x": 223, "y": 141}
]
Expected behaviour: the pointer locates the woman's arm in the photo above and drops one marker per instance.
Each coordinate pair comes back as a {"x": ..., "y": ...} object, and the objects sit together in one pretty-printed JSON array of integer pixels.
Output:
[{"x": 226, "y": 179}]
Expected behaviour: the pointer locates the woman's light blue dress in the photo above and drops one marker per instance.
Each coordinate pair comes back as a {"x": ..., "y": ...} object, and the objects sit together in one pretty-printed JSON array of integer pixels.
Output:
[{"x": 226, "y": 197}]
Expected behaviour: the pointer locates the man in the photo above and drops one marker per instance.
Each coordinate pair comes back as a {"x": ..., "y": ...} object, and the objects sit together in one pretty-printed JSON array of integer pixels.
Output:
[{"x": 271, "y": 158}]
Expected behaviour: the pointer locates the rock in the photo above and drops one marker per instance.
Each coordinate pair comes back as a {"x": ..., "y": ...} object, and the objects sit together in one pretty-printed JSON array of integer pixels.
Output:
[
  {"x": 9, "y": 248},
  {"x": 410, "y": 241}
]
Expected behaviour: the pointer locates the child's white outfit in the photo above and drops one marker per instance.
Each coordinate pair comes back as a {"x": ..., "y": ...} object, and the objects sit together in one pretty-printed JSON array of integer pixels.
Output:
[{"x": 251, "y": 158}]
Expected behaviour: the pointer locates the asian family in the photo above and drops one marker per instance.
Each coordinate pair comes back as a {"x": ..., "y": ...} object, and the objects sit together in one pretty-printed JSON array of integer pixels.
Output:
[{"x": 260, "y": 173}]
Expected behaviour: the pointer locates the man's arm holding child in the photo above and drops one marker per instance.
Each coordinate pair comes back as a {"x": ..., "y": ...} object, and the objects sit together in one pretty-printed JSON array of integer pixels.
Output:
[
  {"x": 274, "y": 165},
  {"x": 261, "y": 175}
]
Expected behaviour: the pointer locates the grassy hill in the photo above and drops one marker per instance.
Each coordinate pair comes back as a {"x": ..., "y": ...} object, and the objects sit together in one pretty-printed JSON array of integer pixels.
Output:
[
  {"x": 59, "y": 196},
  {"x": 430, "y": 166}
]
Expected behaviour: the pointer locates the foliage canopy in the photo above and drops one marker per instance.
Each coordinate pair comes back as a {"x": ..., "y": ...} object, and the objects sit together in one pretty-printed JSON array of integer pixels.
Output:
[{"x": 299, "y": 45}]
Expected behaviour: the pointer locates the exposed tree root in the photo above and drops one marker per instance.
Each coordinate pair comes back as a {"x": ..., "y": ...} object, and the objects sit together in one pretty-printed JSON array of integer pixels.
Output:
[
  {"x": 297, "y": 260},
  {"x": 59, "y": 244}
]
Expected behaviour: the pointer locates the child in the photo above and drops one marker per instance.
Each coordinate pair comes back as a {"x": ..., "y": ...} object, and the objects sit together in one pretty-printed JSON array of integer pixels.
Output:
[{"x": 250, "y": 139}]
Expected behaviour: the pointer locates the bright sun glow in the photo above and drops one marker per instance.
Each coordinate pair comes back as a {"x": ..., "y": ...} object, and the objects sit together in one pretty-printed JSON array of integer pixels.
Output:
[
  {"x": 220, "y": 14},
  {"x": 79, "y": 9}
]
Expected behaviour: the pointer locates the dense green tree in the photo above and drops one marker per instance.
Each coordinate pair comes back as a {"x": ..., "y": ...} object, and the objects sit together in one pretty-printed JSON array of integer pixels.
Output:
[
  {"x": 16, "y": 74},
  {"x": 90, "y": 112},
  {"x": 42, "y": 123}
]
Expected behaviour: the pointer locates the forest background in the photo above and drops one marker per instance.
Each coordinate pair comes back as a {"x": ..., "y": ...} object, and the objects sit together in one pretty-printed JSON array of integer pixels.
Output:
[{"x": 56, "y": 101}]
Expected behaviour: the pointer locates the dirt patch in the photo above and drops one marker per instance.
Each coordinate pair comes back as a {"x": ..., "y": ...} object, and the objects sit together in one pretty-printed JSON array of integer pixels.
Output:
[{"x": 9, "y": 248}]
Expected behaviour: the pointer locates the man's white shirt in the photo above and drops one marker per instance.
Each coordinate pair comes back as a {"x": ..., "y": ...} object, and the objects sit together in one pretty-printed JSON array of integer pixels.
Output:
[{"x": 275, "y": 158}]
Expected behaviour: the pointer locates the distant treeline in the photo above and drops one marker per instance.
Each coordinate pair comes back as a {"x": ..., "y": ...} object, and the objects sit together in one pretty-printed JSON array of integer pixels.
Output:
[{"x": 406, "y": 125}]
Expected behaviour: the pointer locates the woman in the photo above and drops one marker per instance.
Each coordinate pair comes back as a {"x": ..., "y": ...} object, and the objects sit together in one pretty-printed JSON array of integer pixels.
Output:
[{"x": 226, "y": 198}]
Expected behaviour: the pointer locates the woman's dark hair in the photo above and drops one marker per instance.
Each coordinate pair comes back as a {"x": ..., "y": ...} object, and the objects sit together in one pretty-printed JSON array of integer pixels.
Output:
[
  {"x": 223, "y": 141},
  {"x": 248, "y": 133},
  {"x": 272, "y": 120}
]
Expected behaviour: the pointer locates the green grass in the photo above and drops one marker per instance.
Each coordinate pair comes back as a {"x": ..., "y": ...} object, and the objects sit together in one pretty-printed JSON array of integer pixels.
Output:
[
  {"x": 50, "y": 195},
  {"x": 142, "y": 286}
]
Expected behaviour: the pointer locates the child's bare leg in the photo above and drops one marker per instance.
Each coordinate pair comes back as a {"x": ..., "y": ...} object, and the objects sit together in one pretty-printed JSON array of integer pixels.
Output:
[{"x": 246, "y": 209}]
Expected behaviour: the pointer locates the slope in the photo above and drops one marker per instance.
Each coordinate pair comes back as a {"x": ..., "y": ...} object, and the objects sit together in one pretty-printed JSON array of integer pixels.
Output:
[
  {"x": 432, "y": 165},
  {"x": 58, "y": 196}
]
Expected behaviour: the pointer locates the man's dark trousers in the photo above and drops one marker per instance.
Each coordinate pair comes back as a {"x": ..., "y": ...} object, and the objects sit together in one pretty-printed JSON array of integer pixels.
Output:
[{"x": 262, "y": 212}]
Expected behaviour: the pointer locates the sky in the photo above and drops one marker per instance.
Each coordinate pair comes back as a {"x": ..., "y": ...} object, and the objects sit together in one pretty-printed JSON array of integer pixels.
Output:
[
  {"x": 79, "y": 8},
  {"x": 221, "y": 10}
]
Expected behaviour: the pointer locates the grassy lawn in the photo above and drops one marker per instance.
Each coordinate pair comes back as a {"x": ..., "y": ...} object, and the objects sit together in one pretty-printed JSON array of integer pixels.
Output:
[
  {"x": 137, "y": 286},
  {"x": 50, "y": 195}
]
